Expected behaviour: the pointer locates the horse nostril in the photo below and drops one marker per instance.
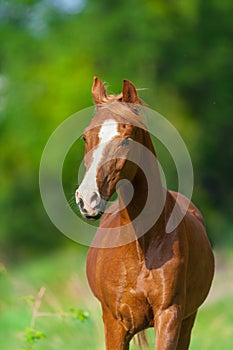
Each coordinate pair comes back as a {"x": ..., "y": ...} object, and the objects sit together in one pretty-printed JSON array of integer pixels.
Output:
[{"x": 81, "y": 203}]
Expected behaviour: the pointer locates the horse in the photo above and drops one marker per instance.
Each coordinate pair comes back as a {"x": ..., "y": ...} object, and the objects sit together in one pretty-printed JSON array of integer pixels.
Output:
[{"x": 142, "y": 275}]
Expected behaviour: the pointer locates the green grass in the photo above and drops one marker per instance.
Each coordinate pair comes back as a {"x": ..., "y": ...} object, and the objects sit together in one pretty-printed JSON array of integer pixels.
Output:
[
  {"x": 63, "y": 275},
  {"x": 214, "y": 326}
]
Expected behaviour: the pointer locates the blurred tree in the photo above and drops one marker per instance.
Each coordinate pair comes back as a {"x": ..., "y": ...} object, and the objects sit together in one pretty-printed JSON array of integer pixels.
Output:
[
  {"x": 50, "y": 51},
  {"x": 182, "y": 50},
  {"x": 39, "y": 87}
]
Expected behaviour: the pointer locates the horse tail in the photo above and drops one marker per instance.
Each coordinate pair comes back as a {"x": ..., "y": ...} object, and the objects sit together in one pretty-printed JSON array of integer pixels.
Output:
[{"x": 141, "y": 340}]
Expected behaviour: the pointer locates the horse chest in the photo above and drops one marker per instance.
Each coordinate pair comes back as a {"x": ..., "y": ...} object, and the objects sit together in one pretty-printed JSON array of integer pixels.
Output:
[
  {"x": 108, "y": 271},
  {"x": 119, "y": 282}
]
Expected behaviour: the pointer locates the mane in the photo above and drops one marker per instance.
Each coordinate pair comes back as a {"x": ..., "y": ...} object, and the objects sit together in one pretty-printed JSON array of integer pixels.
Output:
[
  {"x": 117, "y": 98},
  {"x": 126, "y": 112},
  {"x": 117, "y": 107}
]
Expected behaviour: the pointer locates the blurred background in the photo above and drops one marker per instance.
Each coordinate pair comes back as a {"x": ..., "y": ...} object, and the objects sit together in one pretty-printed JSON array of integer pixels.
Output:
[{"x": 180, "y": 53}]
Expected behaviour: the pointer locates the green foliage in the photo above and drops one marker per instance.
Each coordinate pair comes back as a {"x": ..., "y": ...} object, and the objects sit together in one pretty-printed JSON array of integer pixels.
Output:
[
  {"x": 32, "y": 335},
  {"x": 80, "y": 315},
  {"x": 30, "y": 299},
  {"x": 181, "y": 51},
  {"x": 63, "y": 274}
]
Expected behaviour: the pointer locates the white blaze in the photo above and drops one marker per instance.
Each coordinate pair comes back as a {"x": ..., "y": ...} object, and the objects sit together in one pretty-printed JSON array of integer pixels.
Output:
[{"x": 107, "y": 132}]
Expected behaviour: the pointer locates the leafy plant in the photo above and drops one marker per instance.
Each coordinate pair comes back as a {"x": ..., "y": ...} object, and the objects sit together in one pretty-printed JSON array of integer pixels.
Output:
[
  {"x": 80, "y": 315},
  {"x": 31, "y": 334}
]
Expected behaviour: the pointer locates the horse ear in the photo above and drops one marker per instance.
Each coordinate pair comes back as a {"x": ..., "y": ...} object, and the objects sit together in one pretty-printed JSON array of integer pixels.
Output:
[
  {"x": 98, "y": 91},
  {"x": 129, "y": 92}
]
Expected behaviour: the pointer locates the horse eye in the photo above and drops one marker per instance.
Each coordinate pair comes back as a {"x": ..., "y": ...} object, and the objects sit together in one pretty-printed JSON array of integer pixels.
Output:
[
  {"x": 84, "y": 138},
  {"x": 126, "y": 142}
]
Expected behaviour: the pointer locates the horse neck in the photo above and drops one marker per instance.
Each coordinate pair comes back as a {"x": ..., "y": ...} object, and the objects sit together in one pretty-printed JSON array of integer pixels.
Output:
[{"x": 139, "y": 200}]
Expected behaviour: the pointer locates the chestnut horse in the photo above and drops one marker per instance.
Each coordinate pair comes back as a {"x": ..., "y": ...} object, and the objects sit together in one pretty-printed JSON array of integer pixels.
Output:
[{"x": 148, "y": 278}]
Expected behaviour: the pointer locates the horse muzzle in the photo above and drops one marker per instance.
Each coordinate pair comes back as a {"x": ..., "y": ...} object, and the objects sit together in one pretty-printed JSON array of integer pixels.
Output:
[{"x": 91, "y": 206}]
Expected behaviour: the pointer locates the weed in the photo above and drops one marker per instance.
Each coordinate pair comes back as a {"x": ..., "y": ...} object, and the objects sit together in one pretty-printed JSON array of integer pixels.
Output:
[{"x": 31, "y": 334}]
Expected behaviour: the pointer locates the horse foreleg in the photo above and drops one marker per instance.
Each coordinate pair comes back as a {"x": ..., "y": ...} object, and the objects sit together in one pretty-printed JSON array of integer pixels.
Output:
[
  {"x": 116, "y": 336},
  {"x": 185, "y": 332},
  {"x": 167, "y": 327}
]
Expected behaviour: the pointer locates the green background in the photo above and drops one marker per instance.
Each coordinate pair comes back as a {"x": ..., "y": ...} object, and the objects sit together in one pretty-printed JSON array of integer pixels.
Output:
[{"x": 180, "y": 53}]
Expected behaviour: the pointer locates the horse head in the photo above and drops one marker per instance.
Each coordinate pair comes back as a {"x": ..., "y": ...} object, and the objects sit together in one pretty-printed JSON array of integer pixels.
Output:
[{"x": 109, "y": 144}]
